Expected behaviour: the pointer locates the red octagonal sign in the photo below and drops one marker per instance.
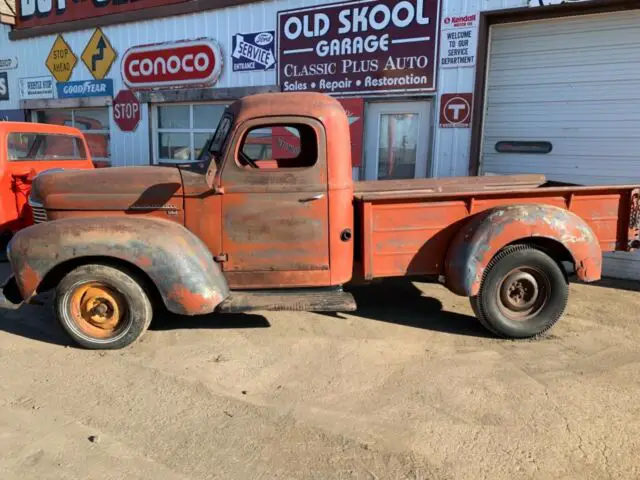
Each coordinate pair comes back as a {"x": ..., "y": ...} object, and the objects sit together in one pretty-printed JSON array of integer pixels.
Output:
[
  {"x": 170, "y": 65},
  {"x": 126, "y": 111}
]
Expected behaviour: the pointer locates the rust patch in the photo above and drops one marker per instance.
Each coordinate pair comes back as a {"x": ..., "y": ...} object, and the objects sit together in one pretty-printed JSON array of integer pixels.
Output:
[
  {"x": 194, "y": 302},
  {"x": 29, "y": 280}
]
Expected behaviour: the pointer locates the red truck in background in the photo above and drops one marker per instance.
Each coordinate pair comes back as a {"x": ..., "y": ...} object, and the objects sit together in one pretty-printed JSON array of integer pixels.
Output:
[
  {"x": 26, "y": 150},
  {"x": 238, "y": 232}
]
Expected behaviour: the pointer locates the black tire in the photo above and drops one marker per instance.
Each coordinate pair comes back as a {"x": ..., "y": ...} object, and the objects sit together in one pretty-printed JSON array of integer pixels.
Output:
[
  {"x": 117, "y": 293},
  {"x": 523, "y": 293}
]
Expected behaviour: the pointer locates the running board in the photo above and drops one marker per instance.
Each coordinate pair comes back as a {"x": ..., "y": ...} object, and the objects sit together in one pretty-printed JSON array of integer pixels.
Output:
[{"x": 326, "y": 300}]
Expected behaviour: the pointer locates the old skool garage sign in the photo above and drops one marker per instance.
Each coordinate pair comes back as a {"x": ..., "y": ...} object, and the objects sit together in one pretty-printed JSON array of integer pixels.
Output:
[{"x": 171, "y": 65}]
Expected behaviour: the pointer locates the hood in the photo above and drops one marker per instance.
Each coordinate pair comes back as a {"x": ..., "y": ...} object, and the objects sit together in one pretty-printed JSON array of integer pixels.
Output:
[{"x": 117, "y": 188}]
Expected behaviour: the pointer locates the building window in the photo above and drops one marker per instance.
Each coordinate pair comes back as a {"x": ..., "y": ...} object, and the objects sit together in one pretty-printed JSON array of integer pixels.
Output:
[
  {"x": 94, "y": 124},
  {"x": 181, "y": 130}
]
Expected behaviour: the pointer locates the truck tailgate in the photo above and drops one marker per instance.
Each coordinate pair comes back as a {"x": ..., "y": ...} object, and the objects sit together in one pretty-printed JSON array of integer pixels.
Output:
[{"x": 409, "y": 234}]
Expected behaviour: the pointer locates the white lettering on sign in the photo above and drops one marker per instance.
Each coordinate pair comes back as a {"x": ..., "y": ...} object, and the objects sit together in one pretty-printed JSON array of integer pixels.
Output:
[
  {"x": 85, "y": 88},
  {"x": 126, "y": 111},
  {"x": 188, "y": 63},
  {"x": 178, "y": 63},
  {"x": 456, "y": 108}
]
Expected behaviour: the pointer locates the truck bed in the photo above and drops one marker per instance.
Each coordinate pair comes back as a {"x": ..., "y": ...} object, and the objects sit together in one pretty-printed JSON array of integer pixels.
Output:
[{"x": 407, "y": 229}]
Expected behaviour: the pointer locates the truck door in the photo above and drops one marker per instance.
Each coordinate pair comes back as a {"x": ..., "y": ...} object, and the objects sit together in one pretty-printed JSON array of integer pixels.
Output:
[{"x": 275, "y": 222}]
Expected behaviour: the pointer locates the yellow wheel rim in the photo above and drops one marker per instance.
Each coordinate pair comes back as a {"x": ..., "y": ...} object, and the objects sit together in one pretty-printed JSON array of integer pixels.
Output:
[{"x": 97, "y": 309}]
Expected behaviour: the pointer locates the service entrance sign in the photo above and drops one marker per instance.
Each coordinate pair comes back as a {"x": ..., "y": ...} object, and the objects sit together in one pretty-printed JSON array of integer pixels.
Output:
[
  {"x": 360, "y": 47},
  {"x": 459, "y": 42}
]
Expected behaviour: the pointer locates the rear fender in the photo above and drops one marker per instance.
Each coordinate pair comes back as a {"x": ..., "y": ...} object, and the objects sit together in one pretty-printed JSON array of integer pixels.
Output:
[
  {"x": 488, "y": 232},
  {"x": 176, "y": 261}
]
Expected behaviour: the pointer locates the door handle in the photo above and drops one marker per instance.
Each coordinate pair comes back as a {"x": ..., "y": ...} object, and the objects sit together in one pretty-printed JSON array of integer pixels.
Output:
[{"x": 313, "y": 198}]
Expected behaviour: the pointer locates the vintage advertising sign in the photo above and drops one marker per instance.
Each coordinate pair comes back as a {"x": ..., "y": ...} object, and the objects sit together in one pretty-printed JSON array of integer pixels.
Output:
[
  {"x": 61, "y": 60},
  {"x": 126, "y": 111},
  {"x": 8, "y": 63},
  {"x": 36, "y": 88},
  {"x": 36, "y": 13},
  {"x": 253, "y": 51},
  {"x": 98, "y": 55},
  {"x": 172, "y": 65},
  {"x": 459, "y": 41},
  {"x": 4, "y": 86},
  {"x": 359, "y": 47},
  {"x": 455, "y": 110},
  {"x": 86, "y": 88}
]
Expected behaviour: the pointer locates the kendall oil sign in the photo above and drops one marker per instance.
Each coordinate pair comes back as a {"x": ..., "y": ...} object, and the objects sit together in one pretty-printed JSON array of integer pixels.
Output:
[{"x": 387, "y": 46}]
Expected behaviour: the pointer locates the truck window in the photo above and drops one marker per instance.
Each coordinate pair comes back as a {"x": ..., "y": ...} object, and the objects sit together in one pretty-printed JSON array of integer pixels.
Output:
[
  {"x": 44, "y": 146},
  {"x": 279, "y": 147}
]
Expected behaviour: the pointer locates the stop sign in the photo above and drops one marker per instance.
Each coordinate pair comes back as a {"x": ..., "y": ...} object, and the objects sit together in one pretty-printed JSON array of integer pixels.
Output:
[{"x": 126, "y": 111}]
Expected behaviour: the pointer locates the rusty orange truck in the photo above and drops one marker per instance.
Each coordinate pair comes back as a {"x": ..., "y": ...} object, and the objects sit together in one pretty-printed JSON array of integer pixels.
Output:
[{"x": 235, "y": 232}]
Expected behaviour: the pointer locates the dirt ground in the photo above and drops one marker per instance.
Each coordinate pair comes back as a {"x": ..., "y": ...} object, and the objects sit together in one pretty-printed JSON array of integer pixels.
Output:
[{"x": 413, "y": 389}]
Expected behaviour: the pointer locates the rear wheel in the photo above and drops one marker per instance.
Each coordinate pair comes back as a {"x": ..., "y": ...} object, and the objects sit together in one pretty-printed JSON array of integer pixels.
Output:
[
  {"x": 524, "y": 292},
  {"x": 102, "y": 307}
]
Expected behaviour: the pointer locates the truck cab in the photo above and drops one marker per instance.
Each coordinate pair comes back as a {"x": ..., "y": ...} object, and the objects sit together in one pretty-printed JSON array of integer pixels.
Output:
[
  {"x": 26, "y": 150},
  {"x": 285, "y": 220}
]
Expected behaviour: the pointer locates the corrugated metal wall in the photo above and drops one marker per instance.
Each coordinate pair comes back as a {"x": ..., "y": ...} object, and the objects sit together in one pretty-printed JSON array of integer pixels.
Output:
[{"x": 451, "y": 146}]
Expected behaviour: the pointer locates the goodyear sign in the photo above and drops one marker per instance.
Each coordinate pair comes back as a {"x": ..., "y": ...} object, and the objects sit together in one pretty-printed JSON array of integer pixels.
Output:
[
  {"x": 61, "y": 60},
  {"x": 87, "y": 88}
]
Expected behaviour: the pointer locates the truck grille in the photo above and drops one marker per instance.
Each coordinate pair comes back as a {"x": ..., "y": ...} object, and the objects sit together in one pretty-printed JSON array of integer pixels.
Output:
[{"x": 39, "y": 212}]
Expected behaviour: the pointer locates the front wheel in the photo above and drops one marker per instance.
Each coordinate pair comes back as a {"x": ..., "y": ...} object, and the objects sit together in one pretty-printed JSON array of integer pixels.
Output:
[
  {"x": 102, "y": 307},
  {"x": 524, "y": 292}
]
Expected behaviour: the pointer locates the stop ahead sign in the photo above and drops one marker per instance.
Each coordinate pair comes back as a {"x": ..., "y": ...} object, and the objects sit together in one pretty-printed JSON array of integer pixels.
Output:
[{"x": 126, "y": 111}]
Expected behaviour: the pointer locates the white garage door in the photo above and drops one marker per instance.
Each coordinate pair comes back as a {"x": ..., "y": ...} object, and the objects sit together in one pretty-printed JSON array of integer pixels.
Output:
[{"x": 575, "y": 83}]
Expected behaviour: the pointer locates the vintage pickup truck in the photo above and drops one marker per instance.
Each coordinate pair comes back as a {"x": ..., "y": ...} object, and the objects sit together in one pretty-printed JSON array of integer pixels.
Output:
[
  {"x": 26, "y": 150},
  {"x": 238, "y": 231}
]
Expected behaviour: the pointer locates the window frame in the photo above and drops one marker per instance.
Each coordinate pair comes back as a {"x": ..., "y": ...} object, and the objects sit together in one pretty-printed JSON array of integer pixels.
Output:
[
  {"x": 298, "y": 125},
  {"x": 191, "y": 131},
  {"x": 34, "y": 118},
  {"x": 78, "y": 146}
]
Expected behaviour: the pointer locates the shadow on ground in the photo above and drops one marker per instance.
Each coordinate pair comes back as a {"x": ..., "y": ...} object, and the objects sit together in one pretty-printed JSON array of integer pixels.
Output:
[
  {"x": 402, "y": 303},
  {"x": 35, "y": 322},
  {"x": 170, "y": 321}
]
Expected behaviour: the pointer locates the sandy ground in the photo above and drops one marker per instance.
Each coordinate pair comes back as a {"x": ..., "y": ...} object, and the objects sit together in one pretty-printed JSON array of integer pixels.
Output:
[{"x": 412, "y": 388}]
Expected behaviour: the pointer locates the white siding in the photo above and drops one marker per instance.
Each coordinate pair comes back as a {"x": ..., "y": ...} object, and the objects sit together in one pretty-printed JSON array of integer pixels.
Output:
[{"x": 576, "y": 83}]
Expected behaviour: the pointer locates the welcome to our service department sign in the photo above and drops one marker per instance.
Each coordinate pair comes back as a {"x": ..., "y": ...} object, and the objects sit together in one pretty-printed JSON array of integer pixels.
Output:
[{"x": 359, "y": 47}]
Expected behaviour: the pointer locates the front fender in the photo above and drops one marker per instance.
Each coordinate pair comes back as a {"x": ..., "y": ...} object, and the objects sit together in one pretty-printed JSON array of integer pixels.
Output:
[
  {"x": 179, "y": 264},
  {"x": 488, "y": 232}
]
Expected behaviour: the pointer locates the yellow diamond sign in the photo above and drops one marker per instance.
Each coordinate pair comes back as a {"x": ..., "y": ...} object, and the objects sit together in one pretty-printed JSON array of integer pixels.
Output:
[
  {"x": 61, "y": 60},
  {"x": 98, "y": 55}
]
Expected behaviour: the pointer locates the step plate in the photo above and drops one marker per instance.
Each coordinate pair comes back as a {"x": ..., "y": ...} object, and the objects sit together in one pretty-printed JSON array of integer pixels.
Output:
[{"x": 331, "y": 301}]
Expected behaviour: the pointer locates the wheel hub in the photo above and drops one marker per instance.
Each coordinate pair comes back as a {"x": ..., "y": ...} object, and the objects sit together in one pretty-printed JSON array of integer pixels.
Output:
[
  {"x": 522, "y": 294},
  {"x": 97, "y": 309}
]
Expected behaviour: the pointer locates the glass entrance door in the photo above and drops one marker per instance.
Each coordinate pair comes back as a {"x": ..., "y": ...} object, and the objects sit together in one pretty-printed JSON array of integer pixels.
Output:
[{"x": 397, "y": 138}]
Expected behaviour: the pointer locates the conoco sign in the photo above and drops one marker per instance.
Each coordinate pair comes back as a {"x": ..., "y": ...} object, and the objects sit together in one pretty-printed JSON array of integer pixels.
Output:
[
  {"x": 360, "y": 47},
  {"x": 172, "y": 65}
]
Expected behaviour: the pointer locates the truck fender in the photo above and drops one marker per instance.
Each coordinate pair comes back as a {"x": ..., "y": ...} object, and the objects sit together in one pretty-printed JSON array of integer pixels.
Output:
[
  {"x": 488, "y": 232},
  {"x": 174, "y": 259}
]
